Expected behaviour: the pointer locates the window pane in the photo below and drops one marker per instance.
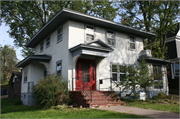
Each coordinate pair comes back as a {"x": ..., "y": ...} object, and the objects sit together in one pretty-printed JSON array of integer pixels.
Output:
[
  {"x": 122, "y": 77},
  {"x": 89, "y": 37},
  {"x": 59, "y": 68},
  {"x": 157, "y": 72},
  {"x": 114, "y": 68},
  {"x": 85, "y": 71},
  {"x": 114, "y": 77},
  {"x": 111, "y": 41},
  {"x": 110, "y": 34},
  {"x": 176, "y": 66},
  {"x": 131, "y": 39},
  {"x": 122, "y": 68},
  {"x": 132, "y": 46}
]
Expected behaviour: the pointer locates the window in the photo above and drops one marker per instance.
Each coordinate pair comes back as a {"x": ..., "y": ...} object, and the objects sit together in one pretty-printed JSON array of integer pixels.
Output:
[
  {"x": 89, "y": 33},
  {"x": 48, "y": 42},
  {"x": 157, "y": 72},
  {"x": 118, "y": 72},
  {"x": 59, "y": 67},
  {"x": 59, "y": 35},
  {"x": 41, "y": 46},
  {"x": 25, "y": 75},
  {"x": 176, "y": 69},
  {"x": 132, "y": 43},
  {"x": 110, "y": 37}
]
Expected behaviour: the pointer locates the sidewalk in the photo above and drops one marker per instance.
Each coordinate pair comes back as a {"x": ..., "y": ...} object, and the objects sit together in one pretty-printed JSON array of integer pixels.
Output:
[
  {"x": 140, "y": 111},
  {"x": 4, "y": 96}
]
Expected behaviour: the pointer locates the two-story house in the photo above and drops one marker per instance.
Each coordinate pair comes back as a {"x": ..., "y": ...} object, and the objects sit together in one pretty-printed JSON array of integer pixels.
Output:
[
  {"x": 84, "y": 49},
  {"x": 173, "y": 53}
]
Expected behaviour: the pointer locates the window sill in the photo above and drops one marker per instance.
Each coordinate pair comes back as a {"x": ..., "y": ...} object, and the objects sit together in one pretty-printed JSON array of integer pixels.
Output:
[
  {"x": 47, "y": 46},
  {"x": 59, "y": 41}
]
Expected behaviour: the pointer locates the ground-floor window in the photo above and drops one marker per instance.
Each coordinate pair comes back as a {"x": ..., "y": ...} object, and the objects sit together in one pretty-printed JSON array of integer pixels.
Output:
[
  {"x": 117, "y": 72},
  {"x": 157, "y": 72},
  {"x": 59, "y": 67}
]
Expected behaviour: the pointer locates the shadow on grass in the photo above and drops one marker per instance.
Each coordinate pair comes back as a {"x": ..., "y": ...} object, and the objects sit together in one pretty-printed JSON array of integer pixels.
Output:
[{"x": 8, "y": 105}]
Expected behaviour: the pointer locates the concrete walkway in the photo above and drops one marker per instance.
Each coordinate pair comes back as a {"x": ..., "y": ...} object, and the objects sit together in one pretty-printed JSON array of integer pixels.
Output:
[
  {"x": 141, "y": 111},
  {"x": 4, "y": 96}
]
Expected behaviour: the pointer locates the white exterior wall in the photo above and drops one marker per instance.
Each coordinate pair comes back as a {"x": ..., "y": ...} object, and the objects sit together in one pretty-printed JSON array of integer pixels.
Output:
[
  {"x": 58, "y": 51},
  {"x": 121, "y": 53},
  {"x": 29, "y": 77}
]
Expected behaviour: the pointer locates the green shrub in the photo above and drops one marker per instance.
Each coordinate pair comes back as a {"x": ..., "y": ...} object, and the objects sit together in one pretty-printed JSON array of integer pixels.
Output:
[
  {"x": 161, "y": 95},
  {"x": 154, "y": 98},
  {"x": 51, "y": 91}
]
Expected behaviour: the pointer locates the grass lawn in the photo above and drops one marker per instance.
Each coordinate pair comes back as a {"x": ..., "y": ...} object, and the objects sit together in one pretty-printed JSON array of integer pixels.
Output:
[
  {"x": 14, "y": 110},
  {"x": 171, "y": 104}
]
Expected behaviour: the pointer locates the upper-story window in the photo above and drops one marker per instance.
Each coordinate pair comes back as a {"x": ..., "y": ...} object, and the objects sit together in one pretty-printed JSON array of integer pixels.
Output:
[
  {"x": 118, "y": 72},
  {"x": 157, "y": 71},
  {"x": 132, "y": 43},
  {"x": 59, "y": 34},
  {"x": 48, "y": 42},
  {"x": 89, "y": 33},
  {"x": 25, "y": 75},
  {"x": 41, "y": 46},
  {"x": 110, "y": 37}
]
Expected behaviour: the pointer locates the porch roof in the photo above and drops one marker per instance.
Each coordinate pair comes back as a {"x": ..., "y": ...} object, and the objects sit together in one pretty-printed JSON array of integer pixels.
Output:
[
  {"x": 29, "y": 59},
  {"x": 155, "y": 60},
  {"x": 101, "y": 49}
]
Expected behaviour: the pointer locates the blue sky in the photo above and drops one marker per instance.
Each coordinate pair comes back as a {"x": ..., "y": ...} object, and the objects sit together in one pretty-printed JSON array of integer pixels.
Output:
[{"x": 5, "y": 39}]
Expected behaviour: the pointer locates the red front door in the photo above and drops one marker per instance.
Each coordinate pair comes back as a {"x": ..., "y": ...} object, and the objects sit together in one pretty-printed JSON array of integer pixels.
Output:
[{"x": 85, "y": 74}]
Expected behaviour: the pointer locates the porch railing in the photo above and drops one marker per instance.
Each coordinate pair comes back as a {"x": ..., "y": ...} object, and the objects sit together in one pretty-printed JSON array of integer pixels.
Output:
[{"x": 84, "y": 89}]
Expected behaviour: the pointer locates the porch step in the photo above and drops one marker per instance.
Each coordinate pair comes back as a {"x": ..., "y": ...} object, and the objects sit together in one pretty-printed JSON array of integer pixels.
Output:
[{"x": 99, "y": 98}]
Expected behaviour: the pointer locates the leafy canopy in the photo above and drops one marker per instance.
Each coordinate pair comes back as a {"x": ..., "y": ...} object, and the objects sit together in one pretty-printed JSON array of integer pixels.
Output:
[{"x": 25, "y": 18}]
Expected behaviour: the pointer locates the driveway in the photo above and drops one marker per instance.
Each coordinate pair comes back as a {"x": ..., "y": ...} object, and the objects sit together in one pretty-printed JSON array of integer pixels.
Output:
[{"x": 141, "y": 111}]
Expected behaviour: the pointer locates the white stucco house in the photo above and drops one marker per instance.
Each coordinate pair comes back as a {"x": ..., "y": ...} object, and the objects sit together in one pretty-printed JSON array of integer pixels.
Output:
[{"x": 84, "y": 48}]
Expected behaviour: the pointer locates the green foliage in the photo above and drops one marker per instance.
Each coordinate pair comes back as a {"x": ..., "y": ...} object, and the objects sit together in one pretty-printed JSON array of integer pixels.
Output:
[
  {"x": 51, "y": 91},
  {"x": 159, "y": 17},
  {"x": 8, "y": 60},
  {"x": 139, "y": 78},
  {"x": 25, "y": 18},
  {"x": 11, "y": 79}
]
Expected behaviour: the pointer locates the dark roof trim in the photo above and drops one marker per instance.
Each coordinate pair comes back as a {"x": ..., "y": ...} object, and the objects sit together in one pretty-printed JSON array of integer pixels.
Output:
[
  {"x": 30, "y": 58},
  {"x": 155, "y": 60},
  {"x": 65, "y": 14}
]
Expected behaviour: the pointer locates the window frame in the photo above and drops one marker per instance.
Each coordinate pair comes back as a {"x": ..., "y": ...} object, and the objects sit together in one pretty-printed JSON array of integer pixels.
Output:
[
  {"x": 85, "y": 26},
  {"x": 118, "y": 72},
  {"x": 110, "y": 38},
  {"x": 157, "y": 80},
  {"x": 132, "y": 42},
  {"x": 174, "y": 69},
  {"x": 61, "y": 33},
  {"x": 48, "y": 39},
  {"x": 42, "y": 45},
  {"x": 25, "y": 76},
  {"x": 60, "y": 61}
]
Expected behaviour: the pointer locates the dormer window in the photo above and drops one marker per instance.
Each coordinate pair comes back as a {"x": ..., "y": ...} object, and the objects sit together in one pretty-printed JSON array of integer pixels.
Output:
[
  {"x": 41, "y": 46},
  {"x": 110, "y": 37},
  {"x": 59, "y": 35},
  {"x": 89, "y": 33},
  {"x": 48, "y": 42},
  {"x": 132, "y": 43}
]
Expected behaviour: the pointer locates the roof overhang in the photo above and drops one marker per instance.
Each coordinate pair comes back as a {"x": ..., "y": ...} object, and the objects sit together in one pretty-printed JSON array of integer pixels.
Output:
[
  {"x": 155, "y": 60},
  {"x": 29, "y": 59},
  {"x": 65, "y": 14}
]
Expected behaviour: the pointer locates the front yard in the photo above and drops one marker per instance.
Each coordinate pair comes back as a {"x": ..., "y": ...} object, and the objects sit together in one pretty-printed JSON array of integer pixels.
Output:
[
  {"x": 165, "y": 103},
  {"x": 14, "y": 109}
]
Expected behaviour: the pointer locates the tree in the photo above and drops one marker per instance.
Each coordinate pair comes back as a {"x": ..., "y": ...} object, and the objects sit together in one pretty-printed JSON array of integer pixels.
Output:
[
  {"x": 137, "y": 79},
  {"x": 25, "y": 18},
  {"x": 153, "y": 16},
  {"x": 8, "y": 61}
]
